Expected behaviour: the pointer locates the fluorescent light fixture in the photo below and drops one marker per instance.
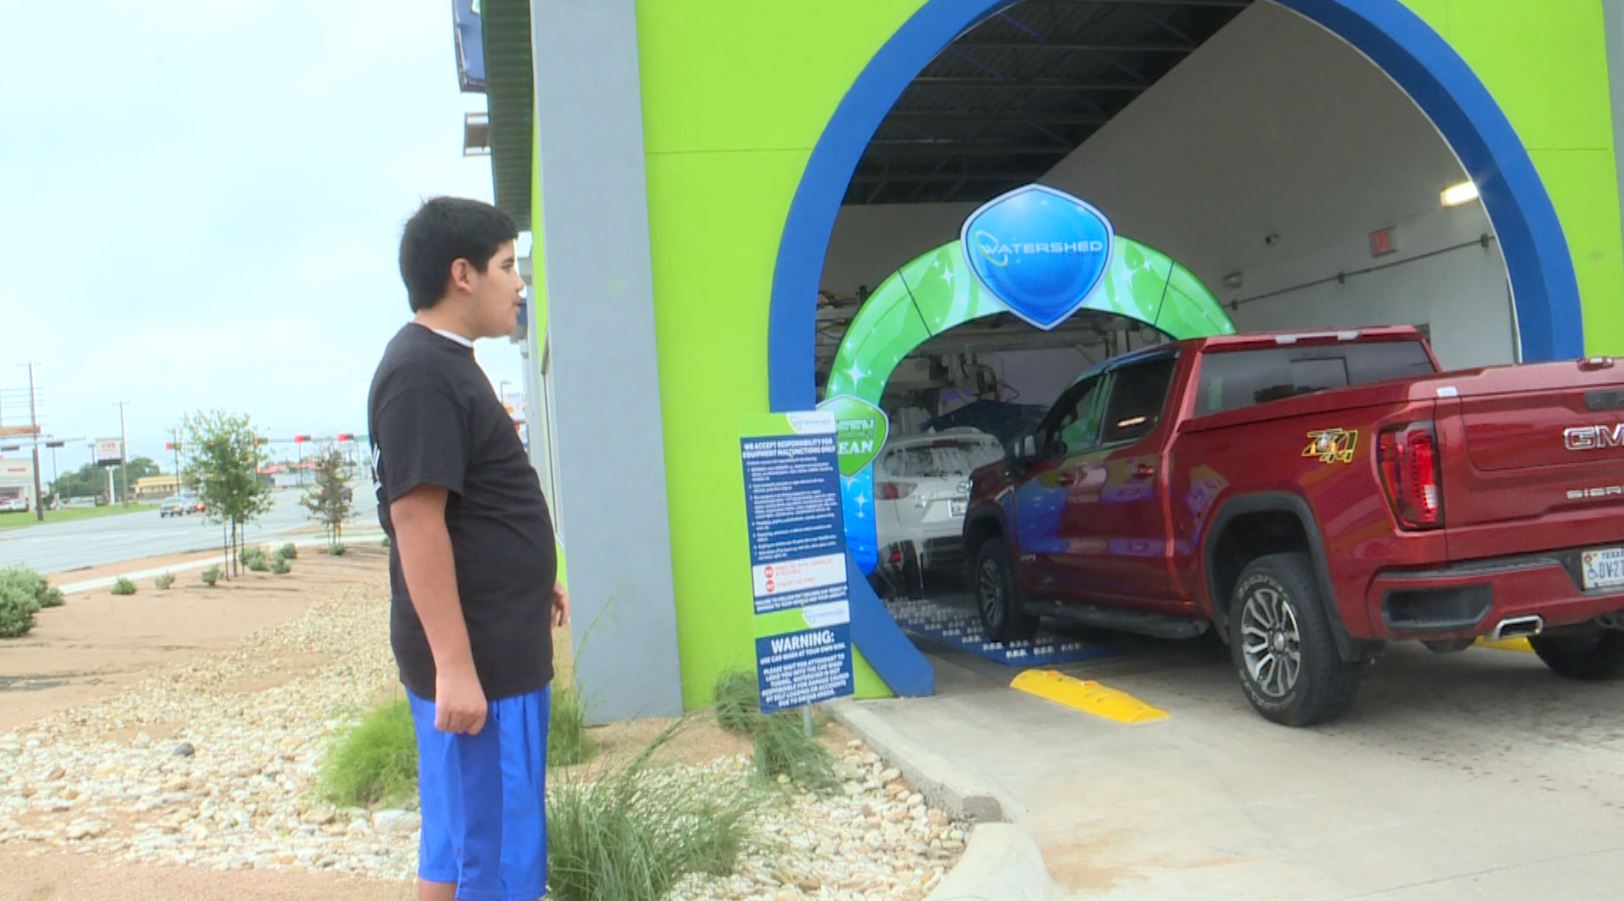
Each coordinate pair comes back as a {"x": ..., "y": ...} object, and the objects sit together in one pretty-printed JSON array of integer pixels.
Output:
[{"x": 1455, "y": 195}]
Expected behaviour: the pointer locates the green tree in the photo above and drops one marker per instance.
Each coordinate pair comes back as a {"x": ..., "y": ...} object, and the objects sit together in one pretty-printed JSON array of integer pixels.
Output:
[
  {"x": 328, "y": 499},
  {"x": 90, "y": 480},
  {"x": 222, "y": 467}
]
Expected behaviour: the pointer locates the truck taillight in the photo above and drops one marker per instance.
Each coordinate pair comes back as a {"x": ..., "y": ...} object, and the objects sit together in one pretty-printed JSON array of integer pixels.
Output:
[
  {"x": 894, "y": 491},
  {"x": 1409, "y": 467}
]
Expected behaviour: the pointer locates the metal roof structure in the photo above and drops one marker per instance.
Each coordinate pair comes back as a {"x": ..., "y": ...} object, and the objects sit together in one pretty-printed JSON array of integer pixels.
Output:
[
  {"x": 1021, "y": 90},
  {"x": 998, "y": 108},
  {"x": 510, "y": 90}
]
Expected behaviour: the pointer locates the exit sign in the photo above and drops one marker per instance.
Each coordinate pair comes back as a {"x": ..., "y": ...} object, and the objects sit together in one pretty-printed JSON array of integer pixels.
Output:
[{"x": 1381, "y": 242}]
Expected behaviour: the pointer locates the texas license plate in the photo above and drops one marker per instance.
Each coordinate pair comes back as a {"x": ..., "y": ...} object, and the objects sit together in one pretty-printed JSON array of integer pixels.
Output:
[
  {"x": 958, "y": 507},
  {"x": 1604, "y": 568}
]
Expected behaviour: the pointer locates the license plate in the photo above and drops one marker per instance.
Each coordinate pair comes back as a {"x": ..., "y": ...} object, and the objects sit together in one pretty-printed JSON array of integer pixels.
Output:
[
  {"x": 1604, "y": 568},
  {"x": 958, "y": 507}
]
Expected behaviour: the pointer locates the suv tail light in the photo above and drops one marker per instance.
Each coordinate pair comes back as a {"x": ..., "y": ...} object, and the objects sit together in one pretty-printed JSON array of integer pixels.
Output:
[
  {"x": 894, "y": 491},
  {"x": 1410, "y": 473}
]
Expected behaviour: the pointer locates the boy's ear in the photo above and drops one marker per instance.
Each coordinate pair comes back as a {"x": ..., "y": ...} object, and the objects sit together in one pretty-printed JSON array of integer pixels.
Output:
[{"x": 462, "y": 276}]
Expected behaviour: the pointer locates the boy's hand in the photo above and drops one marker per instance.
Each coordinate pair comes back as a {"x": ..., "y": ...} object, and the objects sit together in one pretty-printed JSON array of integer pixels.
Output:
[
  {"x": 459, "y": 701},
  {"x": 561, "y": 605}
]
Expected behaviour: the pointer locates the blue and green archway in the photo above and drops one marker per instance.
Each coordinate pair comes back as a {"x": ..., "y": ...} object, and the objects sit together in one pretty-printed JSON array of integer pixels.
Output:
[{"x": 1418, "y": 59}]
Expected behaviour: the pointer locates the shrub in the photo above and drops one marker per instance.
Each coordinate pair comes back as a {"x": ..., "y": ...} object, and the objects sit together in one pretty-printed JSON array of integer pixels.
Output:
[
  {"x": 784, "y": 749},
  {"x": 16, "y": 614},
  {"x": 164, "y": 582},
  {"x": 24, "y": 582},
  {"x": 633, "y": 833},
  {"x": 385, "y": 541},
  {"x": 568, "y": 743},
  {"x": 211, "y": 576},
  {"x": 336, "y": 550},
  {"x": 288, "y": 551},
  {"x": 373, "y": 761},
  {"x": 123, "y": 586},
  {"x": 738, "y": 703},
  {"x": 254, "y": 558},
  {"x": 280, "y": 566}
]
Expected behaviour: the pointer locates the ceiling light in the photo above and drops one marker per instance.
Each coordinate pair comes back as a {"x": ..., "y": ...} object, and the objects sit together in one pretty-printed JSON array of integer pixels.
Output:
[{"x": 1455, "y": 195}]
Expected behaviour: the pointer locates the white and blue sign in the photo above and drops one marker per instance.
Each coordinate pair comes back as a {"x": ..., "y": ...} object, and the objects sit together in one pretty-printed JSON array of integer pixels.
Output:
[
  {"x": 798, "y": 569},
  {"x": 1039, "y": 250}
]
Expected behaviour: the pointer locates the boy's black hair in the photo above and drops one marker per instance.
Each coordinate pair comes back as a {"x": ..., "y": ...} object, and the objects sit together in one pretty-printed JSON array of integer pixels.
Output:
[{"x": 444, "y": 230}]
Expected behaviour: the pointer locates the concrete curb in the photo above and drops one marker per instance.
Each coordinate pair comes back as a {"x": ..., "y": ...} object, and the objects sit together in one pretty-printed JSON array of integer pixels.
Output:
[
  {"x": 1001, "y": 862},
  {"x": 94, "y": 584}
]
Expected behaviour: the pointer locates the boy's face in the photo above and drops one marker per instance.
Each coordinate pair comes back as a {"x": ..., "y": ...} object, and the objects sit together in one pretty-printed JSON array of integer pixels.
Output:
[{"x": 497, "y": 294}]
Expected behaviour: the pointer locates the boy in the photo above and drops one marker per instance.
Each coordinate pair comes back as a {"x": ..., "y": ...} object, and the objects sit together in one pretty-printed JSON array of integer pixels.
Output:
[{"x": 472, "y": 566}]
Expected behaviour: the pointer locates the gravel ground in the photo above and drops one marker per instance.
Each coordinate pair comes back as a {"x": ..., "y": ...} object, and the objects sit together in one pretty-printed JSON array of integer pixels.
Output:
[{"x": 213, "y": 765}]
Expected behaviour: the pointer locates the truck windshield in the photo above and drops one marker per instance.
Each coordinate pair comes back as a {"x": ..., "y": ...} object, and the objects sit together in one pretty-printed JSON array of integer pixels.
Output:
[{"x": 1234, "y": 379}]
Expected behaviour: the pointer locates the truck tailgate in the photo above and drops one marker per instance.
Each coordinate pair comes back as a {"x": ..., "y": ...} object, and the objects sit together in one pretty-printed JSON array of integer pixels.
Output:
[{"x": 1543, "y": 453}]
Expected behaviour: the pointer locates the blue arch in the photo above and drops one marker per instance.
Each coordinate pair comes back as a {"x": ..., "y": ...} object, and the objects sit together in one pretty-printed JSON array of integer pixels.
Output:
[{"x": 1423, "y": 64}]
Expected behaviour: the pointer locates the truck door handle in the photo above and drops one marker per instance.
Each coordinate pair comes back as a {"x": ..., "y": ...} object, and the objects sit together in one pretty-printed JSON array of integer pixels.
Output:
[
  {"x": 1144, "y": 471},
  {"x": 1066, "y": 478}
]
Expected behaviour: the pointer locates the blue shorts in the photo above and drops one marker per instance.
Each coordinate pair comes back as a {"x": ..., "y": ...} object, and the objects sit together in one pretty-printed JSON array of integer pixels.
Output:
[{"x": 484, "y": 801}]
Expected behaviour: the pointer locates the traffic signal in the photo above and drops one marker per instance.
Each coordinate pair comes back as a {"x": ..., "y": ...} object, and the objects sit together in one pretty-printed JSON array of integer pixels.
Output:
[
  {"x": 169, "y": 445},
  {"x": 300, "y": 439},
  {"x": 345, "y": 436}
]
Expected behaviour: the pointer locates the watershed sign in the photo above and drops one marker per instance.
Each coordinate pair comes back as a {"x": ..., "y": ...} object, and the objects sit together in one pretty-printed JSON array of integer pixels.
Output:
[{"x": 797, "y": 558}]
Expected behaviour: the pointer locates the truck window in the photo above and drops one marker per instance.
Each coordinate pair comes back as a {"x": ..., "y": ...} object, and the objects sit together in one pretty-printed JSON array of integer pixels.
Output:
[
  {"x": 1234, "y": 379},
  {"x": 1138, "y": 395},
  {"x": 1072, "y": 427}
]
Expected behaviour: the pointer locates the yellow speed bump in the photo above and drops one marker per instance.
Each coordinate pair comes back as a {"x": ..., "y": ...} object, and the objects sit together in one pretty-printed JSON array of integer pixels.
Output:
[
  {"x": 1088, "y": 696},
  {"x": 1507, "y": 644}
]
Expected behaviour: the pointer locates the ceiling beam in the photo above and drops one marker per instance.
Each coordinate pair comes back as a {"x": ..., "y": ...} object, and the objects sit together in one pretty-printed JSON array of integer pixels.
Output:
[
  {"x": 1029, "y": 84},
  {"x": 883, "y": 148},
  {"x": 972, "y": 176},
  {"x": 1031, "y": 117},
  {"x": 1083, "y": 46}
]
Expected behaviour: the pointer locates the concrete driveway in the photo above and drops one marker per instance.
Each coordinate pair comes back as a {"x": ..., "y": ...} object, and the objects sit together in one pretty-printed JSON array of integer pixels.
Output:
[{"x": 1470, "y": 775}]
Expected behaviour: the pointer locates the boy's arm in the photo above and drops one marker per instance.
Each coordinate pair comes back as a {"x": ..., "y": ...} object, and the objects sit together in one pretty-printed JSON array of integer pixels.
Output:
[{"x": 431, "y": 580}]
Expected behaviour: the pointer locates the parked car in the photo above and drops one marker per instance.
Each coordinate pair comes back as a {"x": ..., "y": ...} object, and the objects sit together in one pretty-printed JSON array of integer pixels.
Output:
[
  {"x": 1312, "y": 497},
  {"x": 14, "y": 505},
  {"x": 921, "y": 492}
]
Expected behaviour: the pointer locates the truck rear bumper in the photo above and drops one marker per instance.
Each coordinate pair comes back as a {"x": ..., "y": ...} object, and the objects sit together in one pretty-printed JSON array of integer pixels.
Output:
[{"x": 1470, "y": 599}]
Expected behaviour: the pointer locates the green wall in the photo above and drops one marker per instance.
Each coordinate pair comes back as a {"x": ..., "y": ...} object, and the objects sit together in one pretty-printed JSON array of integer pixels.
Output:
[{"x": 736, "y": 94}]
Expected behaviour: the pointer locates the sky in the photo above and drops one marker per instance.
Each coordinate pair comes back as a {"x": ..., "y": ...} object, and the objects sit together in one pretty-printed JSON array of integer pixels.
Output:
[{"x": 203, "y": 204}]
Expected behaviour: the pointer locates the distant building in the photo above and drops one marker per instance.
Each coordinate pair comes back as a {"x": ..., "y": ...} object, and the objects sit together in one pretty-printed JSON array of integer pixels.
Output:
[
  {"x": 17, "y": 480},
  {"x": 156, "y": 487}
]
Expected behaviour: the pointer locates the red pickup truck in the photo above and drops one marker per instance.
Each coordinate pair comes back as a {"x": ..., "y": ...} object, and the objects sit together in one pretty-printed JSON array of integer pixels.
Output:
[{"x": 1312, "y": 497}]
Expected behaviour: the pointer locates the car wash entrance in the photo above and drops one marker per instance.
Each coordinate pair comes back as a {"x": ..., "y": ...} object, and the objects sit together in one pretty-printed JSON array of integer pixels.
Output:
[{"x": 1054, "y": 184}]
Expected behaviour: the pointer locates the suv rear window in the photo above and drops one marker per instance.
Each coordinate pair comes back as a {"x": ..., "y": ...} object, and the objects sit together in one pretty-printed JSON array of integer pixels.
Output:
[{"x": 1242, "y": 378}]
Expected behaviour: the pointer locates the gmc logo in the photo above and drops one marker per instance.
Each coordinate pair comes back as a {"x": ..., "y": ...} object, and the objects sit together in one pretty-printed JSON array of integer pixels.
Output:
[{"x": 1594, "y": 437}]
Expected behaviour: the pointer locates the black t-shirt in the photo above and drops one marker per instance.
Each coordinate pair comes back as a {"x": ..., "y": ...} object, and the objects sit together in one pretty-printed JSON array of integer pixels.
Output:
[{"x": 433, "y": 419}]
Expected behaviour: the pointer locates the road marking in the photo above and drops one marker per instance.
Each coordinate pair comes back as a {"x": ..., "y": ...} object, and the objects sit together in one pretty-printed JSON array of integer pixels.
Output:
[{"x": 1088, "y": 696}]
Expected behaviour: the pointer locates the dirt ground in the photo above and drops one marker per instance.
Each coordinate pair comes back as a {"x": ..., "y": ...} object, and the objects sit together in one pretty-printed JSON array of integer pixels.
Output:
[{"x": 98, "y": 643}]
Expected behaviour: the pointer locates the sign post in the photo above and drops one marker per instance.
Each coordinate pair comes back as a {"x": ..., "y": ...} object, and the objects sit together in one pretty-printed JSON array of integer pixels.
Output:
[{"x": 798, "y": 568}]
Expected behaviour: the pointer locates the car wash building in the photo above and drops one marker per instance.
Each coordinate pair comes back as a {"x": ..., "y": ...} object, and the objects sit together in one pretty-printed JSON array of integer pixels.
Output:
[{"x": 928, "y": 216}]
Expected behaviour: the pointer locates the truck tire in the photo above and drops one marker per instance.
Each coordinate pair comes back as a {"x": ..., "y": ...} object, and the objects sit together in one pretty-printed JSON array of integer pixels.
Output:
[
  {"x": 999, "y": 603},
  {"x": 1282, "y": 647},
  {"x": 1594, "y": 657}
]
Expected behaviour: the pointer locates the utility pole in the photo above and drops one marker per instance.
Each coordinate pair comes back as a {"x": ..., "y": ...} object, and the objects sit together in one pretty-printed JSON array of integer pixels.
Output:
[
  {"x": 123, "y": 453},
  {"x": 33, "y": 421},
  {"x": 174, "y": 433}
]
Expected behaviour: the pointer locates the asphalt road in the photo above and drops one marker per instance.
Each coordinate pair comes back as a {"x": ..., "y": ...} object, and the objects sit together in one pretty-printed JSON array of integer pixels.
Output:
[{"x": 59, "y": 547}]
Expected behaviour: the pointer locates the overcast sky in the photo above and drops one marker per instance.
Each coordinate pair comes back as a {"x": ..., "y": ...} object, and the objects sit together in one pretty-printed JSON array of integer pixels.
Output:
[{"x": 202, "y": 204}]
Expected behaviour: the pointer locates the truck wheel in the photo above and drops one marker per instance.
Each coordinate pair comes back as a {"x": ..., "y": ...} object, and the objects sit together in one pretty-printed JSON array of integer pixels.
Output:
[
  {"x": 998, "y": 599},
  {"x": 1282, "y": 645},
  {"x": 1592, "y": 657}
]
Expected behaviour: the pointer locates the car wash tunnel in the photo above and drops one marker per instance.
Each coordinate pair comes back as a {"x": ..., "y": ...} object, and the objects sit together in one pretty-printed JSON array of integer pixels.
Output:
[{"x": 1063, "y": 183}]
